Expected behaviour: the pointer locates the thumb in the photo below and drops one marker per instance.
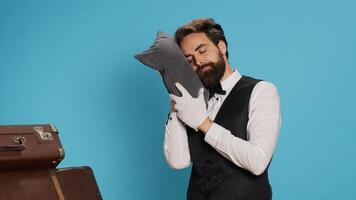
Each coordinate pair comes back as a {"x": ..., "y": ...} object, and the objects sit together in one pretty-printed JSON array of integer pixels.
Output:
[{"x": 181, "y": 89}]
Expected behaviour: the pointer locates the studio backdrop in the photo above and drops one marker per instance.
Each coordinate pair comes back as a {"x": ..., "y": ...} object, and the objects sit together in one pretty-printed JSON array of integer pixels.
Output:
[{"x": 71, "y": 63}]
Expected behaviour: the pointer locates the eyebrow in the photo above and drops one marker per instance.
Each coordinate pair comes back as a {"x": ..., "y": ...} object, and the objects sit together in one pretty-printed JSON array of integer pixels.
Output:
[{"x": 198, "y": 47}]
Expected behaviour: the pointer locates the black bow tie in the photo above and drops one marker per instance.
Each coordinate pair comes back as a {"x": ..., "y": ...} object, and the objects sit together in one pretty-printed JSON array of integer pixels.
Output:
[{"x": 218, "y": 90}]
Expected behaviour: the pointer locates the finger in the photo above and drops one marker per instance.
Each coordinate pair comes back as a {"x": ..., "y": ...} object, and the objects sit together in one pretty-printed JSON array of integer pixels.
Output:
[
  {"x": 173, "y": 97},
  {"x": 177, "y": 107},
  {"x": 201, "y": 91},
  {"x": 201, "y": 94},
  {"x": 181, "y": 89}
]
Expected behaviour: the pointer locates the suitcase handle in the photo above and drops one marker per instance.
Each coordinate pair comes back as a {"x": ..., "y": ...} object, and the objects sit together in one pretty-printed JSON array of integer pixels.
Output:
[
  {"x": 19, "y": 142},
  {"x": 10, "y": 148}
]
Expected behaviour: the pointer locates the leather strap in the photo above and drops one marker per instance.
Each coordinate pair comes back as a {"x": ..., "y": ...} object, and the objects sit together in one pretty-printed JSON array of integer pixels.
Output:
[{"x": 56, "y": 184}]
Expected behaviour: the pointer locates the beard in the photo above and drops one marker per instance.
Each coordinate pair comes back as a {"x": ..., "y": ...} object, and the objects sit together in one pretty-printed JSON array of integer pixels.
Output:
[{"x": 212, "y": 75}]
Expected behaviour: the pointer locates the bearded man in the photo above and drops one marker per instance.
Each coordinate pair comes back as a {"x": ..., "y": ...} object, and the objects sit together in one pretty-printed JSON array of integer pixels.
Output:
[{"x": 230, "y": 140}]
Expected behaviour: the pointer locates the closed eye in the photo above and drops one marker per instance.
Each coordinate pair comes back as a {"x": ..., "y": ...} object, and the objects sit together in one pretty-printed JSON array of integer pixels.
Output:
[
  {"x": 189, "y": 59},
  {"x": 202, "y": 50}
]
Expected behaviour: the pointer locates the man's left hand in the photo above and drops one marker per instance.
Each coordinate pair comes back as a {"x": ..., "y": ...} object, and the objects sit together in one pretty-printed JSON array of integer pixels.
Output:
[{"x": 191, "y": 111}]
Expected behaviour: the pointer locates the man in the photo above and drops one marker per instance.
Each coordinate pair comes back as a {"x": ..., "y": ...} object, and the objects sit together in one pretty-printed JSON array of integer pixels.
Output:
[{"x": 229, "y": 141}]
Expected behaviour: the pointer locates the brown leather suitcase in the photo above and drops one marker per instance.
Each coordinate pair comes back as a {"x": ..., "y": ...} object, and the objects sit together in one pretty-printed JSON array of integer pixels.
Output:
[
  {"x": 78, "y": 183},
  {"x": 29, "y": 155},
  {"x": 75, "y": 183},
  {"x": 29, "y": 147}
]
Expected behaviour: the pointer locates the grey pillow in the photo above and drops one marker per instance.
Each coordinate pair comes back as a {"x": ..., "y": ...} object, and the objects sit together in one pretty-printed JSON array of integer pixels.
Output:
[{"x": 166, "y": 57}]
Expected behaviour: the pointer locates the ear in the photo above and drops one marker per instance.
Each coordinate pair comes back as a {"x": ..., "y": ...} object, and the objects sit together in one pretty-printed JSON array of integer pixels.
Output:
[{"x": 222, "y": 47}]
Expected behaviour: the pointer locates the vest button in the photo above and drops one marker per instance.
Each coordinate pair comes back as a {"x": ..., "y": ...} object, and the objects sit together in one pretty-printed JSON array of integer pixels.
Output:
[
  {"x": 208, "y": 178},
  {"x": 208, "y": 161}
]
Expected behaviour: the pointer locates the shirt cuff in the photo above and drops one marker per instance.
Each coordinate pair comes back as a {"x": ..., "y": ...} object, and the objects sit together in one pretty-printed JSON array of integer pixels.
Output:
[
  {"x": 171, "y": 116},
  {"x": 213, "y": 135}
]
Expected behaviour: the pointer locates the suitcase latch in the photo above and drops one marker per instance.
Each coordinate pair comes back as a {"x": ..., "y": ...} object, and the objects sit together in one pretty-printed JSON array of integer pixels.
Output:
[
  {"x": 19, "y": 140},
  {"x": 43, "y": 135}
]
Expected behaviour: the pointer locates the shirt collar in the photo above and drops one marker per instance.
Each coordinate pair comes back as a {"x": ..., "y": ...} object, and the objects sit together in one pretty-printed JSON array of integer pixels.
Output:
[{"x": 230, "y": 81}]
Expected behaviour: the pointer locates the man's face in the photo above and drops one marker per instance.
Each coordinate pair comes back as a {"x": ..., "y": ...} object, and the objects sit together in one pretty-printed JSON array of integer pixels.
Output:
[{"x": 205, "y": 57}]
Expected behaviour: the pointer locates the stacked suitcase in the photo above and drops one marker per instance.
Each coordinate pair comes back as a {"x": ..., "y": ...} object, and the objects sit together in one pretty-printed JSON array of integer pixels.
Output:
[{"x": 29, "y": 155}]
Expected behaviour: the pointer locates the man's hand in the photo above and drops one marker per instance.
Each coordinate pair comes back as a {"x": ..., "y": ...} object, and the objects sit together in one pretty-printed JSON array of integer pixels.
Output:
[{"x": 191, "y": 111}]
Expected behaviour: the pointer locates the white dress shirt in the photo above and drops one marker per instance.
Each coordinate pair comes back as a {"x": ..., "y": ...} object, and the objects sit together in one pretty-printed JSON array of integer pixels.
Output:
[{"x": 262, "y": 130}]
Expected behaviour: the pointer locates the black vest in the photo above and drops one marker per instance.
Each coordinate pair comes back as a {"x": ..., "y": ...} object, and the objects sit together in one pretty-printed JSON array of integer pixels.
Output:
[{"x": 212, "y": 174}]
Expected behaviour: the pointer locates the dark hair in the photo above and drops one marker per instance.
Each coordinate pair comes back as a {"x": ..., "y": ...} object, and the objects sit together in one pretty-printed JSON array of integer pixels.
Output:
[{"x": 208, "y": 26}]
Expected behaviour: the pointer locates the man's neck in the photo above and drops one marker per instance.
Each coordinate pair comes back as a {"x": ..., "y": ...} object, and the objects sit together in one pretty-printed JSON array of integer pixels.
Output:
[{"x": 228, "y": 71}]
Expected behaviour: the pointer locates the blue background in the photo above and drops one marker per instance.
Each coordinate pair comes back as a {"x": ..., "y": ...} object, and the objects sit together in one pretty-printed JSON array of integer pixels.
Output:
[{"x": 71, "y": 63}]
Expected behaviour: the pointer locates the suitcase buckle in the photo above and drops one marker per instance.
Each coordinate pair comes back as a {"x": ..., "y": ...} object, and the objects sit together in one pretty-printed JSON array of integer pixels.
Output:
[{"x": 43, "y": 135}]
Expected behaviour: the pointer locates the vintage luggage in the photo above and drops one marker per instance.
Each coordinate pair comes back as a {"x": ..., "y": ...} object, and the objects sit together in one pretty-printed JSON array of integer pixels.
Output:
[
  {"x": 78, "y": 183},
  {"x": 29, "y": 147},
  {"x": 75, "y": 183},
  {"x": 29, "y": 155}
]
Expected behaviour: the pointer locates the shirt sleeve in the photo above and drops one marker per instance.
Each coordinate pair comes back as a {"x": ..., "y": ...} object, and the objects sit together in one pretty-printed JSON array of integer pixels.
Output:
[
  {"x": 175, "y": 147},
  {"x": 263, "y": 128}
]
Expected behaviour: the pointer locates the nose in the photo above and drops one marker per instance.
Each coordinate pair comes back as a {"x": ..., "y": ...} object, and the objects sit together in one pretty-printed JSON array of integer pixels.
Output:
[{"x": 200, "y": 60}]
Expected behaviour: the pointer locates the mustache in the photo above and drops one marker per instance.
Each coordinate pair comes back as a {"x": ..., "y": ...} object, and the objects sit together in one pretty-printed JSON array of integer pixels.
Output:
[{"x": 200, "y": 67}]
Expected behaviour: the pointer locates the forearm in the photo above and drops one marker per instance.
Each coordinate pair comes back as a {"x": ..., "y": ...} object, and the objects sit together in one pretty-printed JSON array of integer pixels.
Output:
[
  {"x": 245, "y": 154},
  {"x": 242, "y": 153},
  {"x": 175, "y": 147}
]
